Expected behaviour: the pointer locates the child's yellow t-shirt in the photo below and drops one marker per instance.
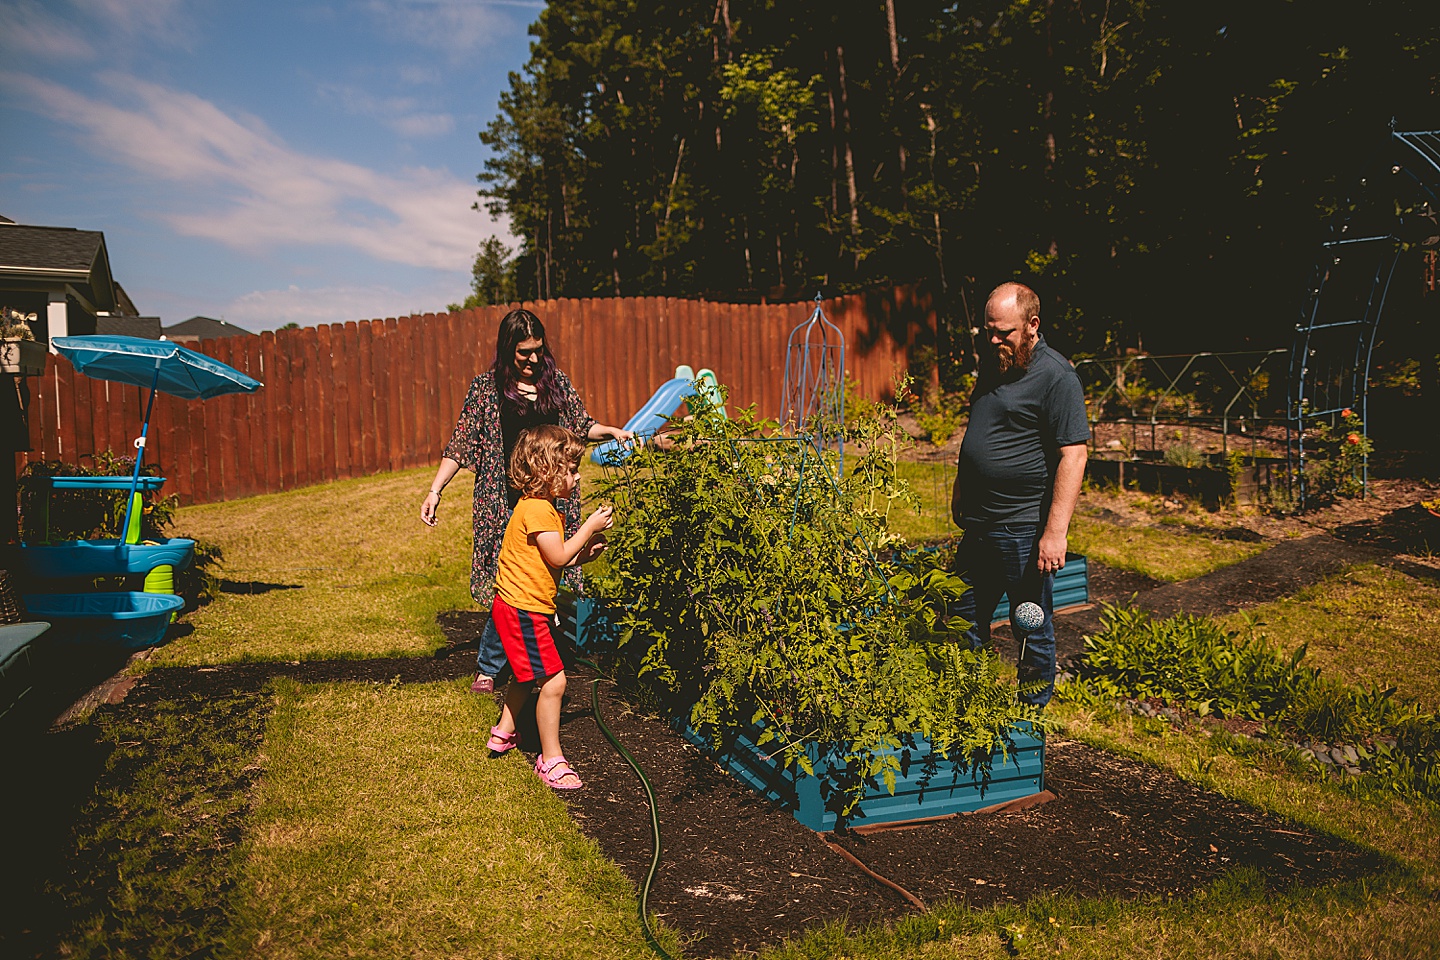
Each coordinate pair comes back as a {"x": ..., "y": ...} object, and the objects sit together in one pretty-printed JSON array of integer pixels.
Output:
[{"x": 523, "y": 578}]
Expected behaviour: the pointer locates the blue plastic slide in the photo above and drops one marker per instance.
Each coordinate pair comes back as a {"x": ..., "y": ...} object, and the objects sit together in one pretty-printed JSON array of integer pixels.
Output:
[{"x": 650, "y": 418}]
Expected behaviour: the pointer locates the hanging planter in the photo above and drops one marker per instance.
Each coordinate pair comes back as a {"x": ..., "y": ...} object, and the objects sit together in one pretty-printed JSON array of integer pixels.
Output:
[
  {"x": 20, "y": 353},
  {"x": 23, "y": 358}
]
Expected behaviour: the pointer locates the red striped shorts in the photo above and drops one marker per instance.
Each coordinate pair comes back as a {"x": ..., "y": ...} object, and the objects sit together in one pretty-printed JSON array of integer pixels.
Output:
[{"x": 528, "y": 644}]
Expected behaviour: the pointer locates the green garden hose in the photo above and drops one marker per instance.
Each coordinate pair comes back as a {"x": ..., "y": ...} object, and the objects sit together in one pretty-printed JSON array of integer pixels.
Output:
[{"x": 654, "y": 814}]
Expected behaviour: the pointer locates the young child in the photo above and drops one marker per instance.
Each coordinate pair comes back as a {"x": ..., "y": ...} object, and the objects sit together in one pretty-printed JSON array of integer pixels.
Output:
[{"x": 544, "y": 467}]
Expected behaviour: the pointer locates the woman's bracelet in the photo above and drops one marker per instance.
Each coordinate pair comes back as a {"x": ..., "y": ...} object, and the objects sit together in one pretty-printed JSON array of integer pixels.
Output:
[{"x": 434, "y": 491}]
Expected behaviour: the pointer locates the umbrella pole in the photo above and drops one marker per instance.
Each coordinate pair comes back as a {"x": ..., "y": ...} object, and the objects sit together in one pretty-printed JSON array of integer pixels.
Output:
[{"x": 139, "y": 456}]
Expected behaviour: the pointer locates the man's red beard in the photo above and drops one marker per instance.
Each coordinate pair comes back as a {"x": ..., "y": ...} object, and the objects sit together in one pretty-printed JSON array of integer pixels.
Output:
[{"x": 1006, "y": 358}]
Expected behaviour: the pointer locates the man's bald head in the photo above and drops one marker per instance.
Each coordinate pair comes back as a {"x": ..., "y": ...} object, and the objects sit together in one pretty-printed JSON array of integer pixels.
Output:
[
  {"x": 1012, "y": 326},
  {"x": 1020, "y": 300}
]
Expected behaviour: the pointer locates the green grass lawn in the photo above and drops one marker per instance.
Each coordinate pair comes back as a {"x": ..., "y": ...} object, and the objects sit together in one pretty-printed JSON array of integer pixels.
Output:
[
  {"x": 1164, "y": 553},
  {"x": 1370, "y": 625},
  {"x": 380, "y": 828},
  {"x": 931, "y": 482},
  {"x": 383, "y": 829},
  {"x": 344, "y": 569}
]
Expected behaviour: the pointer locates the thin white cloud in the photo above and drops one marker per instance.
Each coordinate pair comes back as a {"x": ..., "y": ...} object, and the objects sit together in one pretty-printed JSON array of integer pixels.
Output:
[
  {"x": 270, "y": 309},
  {"x": 165, "y": 21},
  {"x": 29, "y": 30},
  {"x": 78, "y": 30},
  {"x": 401, "y": 114},
  {"x": 454, "y": 26},
  {"x": 416, "y": 75},
  {"x": 258, "y": 192}
]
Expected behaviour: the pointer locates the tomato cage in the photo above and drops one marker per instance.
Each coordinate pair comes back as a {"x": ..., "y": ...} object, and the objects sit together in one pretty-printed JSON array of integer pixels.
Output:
[{"x": 812, "y": 398}]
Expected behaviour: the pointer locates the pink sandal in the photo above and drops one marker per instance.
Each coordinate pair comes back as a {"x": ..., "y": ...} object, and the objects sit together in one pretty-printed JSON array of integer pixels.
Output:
[
  {"x": 566, "y": 779},
  {"x": 501, "y": 742}
]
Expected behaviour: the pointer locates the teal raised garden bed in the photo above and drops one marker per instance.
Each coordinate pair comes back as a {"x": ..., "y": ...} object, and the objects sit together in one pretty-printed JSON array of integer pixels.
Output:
[
  {"x": 131, "y": 620},
  {"x": 923, "y": 789}
]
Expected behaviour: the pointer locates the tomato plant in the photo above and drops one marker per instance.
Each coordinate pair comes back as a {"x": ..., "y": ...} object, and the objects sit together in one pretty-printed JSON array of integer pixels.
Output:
[{"x": 761, "y": 590}]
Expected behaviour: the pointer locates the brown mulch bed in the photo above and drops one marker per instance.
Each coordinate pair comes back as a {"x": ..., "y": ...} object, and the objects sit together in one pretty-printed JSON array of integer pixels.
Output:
[
  {"x": 740, "y": 874},
  {"x": 737, "y": 874}
]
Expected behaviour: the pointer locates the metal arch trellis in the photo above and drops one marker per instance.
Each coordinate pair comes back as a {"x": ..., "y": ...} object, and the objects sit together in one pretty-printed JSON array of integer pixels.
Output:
[
  {"x": 812, "y": 399},
  {"x": 1334, "y": 341}
]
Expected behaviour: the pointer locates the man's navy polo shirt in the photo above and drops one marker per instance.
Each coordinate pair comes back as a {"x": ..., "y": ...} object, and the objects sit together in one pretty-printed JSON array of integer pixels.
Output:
[{"x": 1012, "y": 445}]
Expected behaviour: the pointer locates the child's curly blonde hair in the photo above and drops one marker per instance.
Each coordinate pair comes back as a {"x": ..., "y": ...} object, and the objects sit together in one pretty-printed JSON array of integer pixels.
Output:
[{"x": 541, "y": 458}]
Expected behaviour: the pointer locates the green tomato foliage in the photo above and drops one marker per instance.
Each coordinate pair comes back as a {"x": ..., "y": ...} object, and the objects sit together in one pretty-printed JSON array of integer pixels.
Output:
[{"x": 765, "y": 596}]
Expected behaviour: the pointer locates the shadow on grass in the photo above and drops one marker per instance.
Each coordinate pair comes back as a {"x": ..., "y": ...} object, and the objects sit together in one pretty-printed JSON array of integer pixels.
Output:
[{"x": 253, "y": 587}]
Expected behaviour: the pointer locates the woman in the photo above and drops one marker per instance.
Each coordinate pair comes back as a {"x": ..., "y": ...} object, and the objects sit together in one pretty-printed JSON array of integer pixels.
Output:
[{"x": 522, "y": 389}]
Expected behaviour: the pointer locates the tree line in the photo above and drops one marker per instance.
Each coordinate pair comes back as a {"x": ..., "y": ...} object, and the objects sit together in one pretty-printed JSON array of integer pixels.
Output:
[{"x": 1159, "y": 172}]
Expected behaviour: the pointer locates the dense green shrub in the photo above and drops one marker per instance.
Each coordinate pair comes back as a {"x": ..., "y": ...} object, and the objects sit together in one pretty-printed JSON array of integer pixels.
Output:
[
  {"x": 1185, "y": 455},
  {"x": 760, "y": 590},
  {"x": 941, "y": 414},
  {"x": 1193, "y": 662},
  {"x": 87, "y": 514},
  {"x": 1189, "y": 660}
]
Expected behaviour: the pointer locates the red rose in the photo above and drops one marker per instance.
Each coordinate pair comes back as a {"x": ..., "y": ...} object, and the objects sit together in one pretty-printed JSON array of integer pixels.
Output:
[
  {"x": 1353, "y": 438},
  {"x": 1347, "y": 412}
]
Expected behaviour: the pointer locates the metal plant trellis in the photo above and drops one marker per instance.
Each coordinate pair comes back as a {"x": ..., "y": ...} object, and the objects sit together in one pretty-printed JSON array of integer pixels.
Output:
[
  {"x": 812, "y": 400},
  {"x": 1392, "y": 210},
  {"x": 1222, "y": 393}
]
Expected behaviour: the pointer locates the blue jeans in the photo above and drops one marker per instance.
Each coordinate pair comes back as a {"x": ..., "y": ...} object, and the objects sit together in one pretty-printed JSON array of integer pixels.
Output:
[
  {"x": 999, "y": 560},
  {"x": 490, "y": 660}
]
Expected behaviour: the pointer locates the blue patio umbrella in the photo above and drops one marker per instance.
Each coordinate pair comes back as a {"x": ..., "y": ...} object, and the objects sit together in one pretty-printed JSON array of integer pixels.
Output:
[{"x": 158, "y": 364}]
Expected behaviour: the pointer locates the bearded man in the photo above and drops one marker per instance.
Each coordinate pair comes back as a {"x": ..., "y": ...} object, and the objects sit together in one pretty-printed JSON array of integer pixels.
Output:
[{"x": 1021, "y": 464}]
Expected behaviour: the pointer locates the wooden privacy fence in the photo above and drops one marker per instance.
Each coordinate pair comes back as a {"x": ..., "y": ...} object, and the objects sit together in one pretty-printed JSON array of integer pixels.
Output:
[{"x": 352, "y": 399}]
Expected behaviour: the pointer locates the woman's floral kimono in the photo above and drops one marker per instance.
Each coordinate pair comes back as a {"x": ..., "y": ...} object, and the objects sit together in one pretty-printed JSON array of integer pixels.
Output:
[{"x": 476, "y": 445}]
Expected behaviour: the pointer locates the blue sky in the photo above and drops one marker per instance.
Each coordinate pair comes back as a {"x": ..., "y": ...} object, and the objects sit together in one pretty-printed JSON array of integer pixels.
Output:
[{"x": 261, "y": 161}]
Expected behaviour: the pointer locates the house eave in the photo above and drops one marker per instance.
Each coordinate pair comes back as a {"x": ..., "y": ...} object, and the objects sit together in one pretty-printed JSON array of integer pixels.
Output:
[{"x": 40, "y": 273}]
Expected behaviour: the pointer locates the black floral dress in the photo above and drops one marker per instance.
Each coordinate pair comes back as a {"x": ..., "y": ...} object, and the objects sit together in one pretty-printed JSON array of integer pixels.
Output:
[{"x": 476, "y": 445}]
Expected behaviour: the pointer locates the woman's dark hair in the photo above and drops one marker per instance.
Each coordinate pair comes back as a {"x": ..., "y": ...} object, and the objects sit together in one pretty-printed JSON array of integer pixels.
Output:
[{"x": 517, "y": 327}]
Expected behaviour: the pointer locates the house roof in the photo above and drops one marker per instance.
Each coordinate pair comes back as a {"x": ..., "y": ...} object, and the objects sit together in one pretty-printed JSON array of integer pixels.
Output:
[
  {"x": 59, "y": 255},
  {"x": 147, "y": 327},
  {"x": 49, "y": 249},
  {"x": 205, "y": 328}
]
